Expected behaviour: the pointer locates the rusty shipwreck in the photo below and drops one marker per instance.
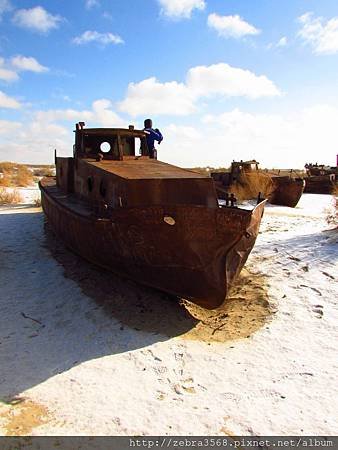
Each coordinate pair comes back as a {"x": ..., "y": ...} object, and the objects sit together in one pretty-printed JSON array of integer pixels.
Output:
[
  {"x": 321, "y": 179},
  {"x": 247, "y": 180},
  {"x": 152, "y": 222}
]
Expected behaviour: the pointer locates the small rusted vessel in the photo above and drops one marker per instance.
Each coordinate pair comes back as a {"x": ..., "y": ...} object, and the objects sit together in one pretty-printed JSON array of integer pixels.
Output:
[
  {"x": 286, "y": 191},
  {"x": 321, "y": 179},
  {"x": 245, "y": 179},
  {"x": 155, "y": 223}
]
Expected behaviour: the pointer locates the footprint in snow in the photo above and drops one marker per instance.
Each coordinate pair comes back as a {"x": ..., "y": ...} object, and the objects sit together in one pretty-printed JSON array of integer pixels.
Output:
[
  {"x": 318, "y": 310},
  {"x": 310, "y": 287}
]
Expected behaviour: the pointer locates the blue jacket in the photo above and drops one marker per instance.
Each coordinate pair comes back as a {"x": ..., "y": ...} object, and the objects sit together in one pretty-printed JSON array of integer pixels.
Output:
[{"x": 152, "y": 136}]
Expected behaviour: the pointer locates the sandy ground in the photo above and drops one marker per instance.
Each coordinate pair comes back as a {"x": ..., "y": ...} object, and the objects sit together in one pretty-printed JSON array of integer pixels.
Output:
[{"x": 83, "y": 352}]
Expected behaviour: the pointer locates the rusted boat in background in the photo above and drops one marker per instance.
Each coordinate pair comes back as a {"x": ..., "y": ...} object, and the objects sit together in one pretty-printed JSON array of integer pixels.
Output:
[
  {"x": 321, "y": 179},
  {"x": 155, "y": 223},
  {"x": 247, "y": 181},
  {"x": 286, "y": 190}
]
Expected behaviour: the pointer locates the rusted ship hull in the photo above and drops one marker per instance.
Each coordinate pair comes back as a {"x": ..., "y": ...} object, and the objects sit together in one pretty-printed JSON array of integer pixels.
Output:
[
  {"x": 194, "y": 252},
  {"x": 320, "y": 184},
  {"x": 286, "y": 191}
]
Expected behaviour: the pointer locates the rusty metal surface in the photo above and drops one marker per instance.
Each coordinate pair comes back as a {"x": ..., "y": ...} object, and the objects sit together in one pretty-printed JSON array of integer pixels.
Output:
[
  {"x": 121, "y": 141},
  {"x": 194, "y": 252},
  {"x": 321, "y": 179},
  {"x": 286, "y": 191},
  {"x": 283, "y": 190},
  {"x": 103, "y": 188},
  {"x": 321, "y": 184},
  {"x": 145, "y": 168},
  {"x": 152, "y": 222},
  {"x": 320, "y": 169}
]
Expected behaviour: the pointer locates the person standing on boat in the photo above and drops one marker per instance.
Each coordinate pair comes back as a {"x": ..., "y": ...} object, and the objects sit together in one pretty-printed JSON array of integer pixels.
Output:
[{"x": 152, "y": 136}]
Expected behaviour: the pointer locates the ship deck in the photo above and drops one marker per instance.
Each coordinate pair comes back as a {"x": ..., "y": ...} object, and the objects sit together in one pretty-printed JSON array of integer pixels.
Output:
[
  {"x": 144, "y": 168},
  {"x": 68, "y": 201}
]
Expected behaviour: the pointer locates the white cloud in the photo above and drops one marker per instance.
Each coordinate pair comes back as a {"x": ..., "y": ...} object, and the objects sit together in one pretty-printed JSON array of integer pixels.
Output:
[
  {"x": 7, "y": 127},
  {"x": 104, "y": 115},
  {"x": 185, "y": 132},
  {"x": 57, "y": 115},
  {"x": 36, "y": 19},
  {"x": 275, "y": 140},
  {"x": 322, "y": 35},
  {"x": 38, "y": 129},
  {"x": 223, "y": 79},
  {"x": 180, "y": 8},
  {"x": 231, "y": 26},
  {"x": 153, "y": 97},
  {"x": 28, "y": 63},
  {"x": 101, "y": 114},
  {"x": 5, "y": 6},
  {"x": 283, "y": 42},
  {"x": 92, "y": 4},
  {"x": 107, "y": 15},
  {"x": 8, "y": 102},
  {"x": 35, "y": 141},
  {"x": 95, "y": 36},
  {"x": 9, "y": 68},
  {"x": 7, "y": 74}
]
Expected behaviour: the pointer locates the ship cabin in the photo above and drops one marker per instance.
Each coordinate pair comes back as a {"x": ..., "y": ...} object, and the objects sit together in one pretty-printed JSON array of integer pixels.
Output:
[
  {"x": 320, "y": 170},
  {"x": 111, "y": 168},
  {"x": 237, "y": 168}
]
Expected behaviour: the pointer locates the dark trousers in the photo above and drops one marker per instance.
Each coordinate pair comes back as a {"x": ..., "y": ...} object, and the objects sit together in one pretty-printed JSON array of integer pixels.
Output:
[{"x": 153, "y": 153}]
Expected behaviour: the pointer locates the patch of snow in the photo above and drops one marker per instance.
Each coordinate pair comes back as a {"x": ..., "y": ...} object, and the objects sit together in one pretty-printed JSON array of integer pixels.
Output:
[{"x": 109, "y": 357}]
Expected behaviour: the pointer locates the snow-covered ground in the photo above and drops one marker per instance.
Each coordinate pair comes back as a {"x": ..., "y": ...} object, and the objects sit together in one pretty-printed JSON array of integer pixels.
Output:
[
  {"x": 83, "y": 352},
  {"x": 29, "y": 195}
]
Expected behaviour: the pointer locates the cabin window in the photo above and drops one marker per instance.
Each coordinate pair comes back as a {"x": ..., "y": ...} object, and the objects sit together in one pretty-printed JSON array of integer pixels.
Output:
[
  {"x": 105, "y": 147},
  {"x": 138, "y": 149},
  {"x": 103, "y": 189},
  {"x": 90, "y": 183}
]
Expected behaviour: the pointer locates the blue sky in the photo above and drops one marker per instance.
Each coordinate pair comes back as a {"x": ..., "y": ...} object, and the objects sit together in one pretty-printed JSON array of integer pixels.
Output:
[{"x": 222, "y": 79}]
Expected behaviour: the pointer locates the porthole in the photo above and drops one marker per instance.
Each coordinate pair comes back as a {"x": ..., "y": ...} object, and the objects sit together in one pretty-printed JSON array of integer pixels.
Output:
[
  {"x": 90, "y": 183},
  {"x": 105, "y": 147}
]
